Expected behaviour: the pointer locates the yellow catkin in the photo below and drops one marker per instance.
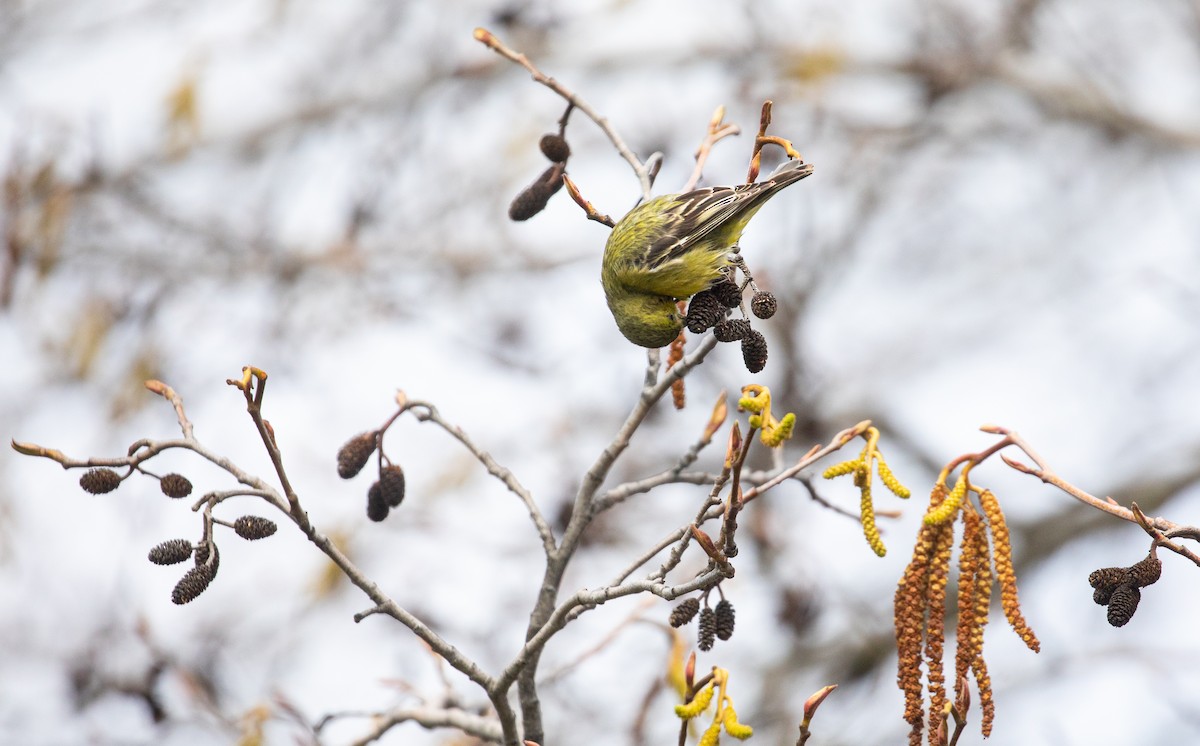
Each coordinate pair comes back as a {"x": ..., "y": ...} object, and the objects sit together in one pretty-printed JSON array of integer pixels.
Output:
[
  {"x": 867, "y": 516},
  {"x": 841, "y": 469},
  {"x": 776, "y": 433},
  {"x": 889, "y": 480},
  {"x": 712, "y": 734},
  {"x": 1006, "y": 576},
  {"x": 862, "y": 473},
  {"x": 948, "y": 507},
  {"x": 755, "y": 398},
  {"x": 675, "y": 663},
  {"x": 740, "y": 731},
  {"x": 698, "y": 704}
]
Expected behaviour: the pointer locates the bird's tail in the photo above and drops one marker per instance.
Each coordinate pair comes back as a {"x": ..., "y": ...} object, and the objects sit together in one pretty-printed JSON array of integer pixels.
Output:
[{"x": 793, "y": 169}]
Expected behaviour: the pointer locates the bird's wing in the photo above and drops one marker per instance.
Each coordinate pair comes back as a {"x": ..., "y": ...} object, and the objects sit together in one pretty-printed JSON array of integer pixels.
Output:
[{"x": 693, "y": 216}]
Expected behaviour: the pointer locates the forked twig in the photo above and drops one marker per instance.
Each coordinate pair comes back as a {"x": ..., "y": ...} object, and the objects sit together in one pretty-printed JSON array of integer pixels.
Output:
[
  {"x": 718, "y": 130},
  {"x": 644, "y": 171}
]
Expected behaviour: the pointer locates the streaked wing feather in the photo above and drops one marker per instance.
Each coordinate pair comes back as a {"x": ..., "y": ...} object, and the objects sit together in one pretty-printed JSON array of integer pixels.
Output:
[{"x": 693, "y": 216}]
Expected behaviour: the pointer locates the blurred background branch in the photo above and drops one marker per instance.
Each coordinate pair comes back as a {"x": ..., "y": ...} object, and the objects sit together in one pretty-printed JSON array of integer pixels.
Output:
[{"x": 1002, "y": 228}]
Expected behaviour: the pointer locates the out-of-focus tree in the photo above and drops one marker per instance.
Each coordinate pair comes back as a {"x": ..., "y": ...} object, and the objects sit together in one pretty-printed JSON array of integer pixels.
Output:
[{"x": 1002, "y": 227}]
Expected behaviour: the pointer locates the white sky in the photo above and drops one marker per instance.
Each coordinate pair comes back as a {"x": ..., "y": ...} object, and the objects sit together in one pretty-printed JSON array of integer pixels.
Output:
[{"x": 1015, "y": 268}]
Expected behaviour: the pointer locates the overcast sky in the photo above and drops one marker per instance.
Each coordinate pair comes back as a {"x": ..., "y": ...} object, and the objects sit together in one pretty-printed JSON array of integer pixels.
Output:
[{"x": 1003, "y": 226}]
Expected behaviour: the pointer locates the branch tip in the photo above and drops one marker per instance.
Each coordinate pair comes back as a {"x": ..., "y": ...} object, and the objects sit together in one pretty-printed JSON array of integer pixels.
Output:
[
  {"x": 589, "y": 210},
  {"x": 1023, "y": 468},
  {"x": 27, "y": 449},
  {"x": 158, "y": 387},
  {"x": 484, "y": 36}
]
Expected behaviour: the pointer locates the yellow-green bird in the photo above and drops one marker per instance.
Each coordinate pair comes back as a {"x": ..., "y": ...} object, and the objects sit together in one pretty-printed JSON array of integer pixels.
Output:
[{"x": 672, "y": 247}]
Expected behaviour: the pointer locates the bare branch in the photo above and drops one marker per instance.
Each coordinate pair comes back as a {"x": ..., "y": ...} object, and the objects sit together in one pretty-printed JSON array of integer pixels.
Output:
[
  {"x": 426, "y": 412},
  {"x": 814, "y": 454},
  {"x": 635, "y": 616},
  {"x": 643, "y": 171},
  {"x": 1162, "y": 540},
  {"x": 169, "y": 394},
  {"x": 717, "y": 131},
  {"x": 588, "y": 208},
  {"x": 487, "y": 729},
  {"x": 589, "y": 599},
  {"x": 1156, "y": 527}
]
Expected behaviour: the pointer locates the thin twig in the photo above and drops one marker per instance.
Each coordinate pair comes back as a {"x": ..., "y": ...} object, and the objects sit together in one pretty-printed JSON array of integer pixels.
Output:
[
  {"x": 584, "y": 600},
  {"x": 819, "y": 500},
  {"x": 814, "y": 454},
  {"x": 253, "y": 385},
  {"x": 169, "y": 394},
  {"x": 717, "y": 131},
  {"x": 1161, "y": 539},
  {"x": 218, "y": 496},
  {"x": 588, "y": 208},
  {"x": 426, "y": 412},
  {"x": 655, "y": 387},
  {"x": 1156, "y": 527},
  {"x": 712, "y": 506},
  {"x": 547, "y": 616},
  {"x": 643, "y": 171},
  {"x": 479, "y": 726},
  {"x": 288, "y": 504},
  {"x": 613, "y": 634},
  {"x": 626, "y": 490}
]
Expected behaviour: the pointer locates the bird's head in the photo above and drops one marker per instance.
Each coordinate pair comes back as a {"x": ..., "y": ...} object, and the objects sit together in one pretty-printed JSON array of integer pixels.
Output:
[{"x": 648, "y": 320}]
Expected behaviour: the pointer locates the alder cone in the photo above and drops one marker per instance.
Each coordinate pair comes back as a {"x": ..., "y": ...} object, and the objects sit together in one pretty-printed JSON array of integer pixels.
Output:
[
  {"x": 554, "y": 146},
  {"x": 1123, "y": 604},
  {"x": 707, "y": 632},
  {"x": 254, "y": 527},
  {"x": 684, "y": 612},
  {"x": 723, "y": 620},
  {"x": 175, "y": 485},
  {"x": 754, "y": 351},
  {"x": 354, "y": 454},
  {"x": 194, "y": 582},
  {"x": 391, "y": 484},
  {"x": 763, "y": 304},
  {"x": 171, "y": 552},
  {"x": 1146, "y": 572},
  {"x": 99, "y": 481}
]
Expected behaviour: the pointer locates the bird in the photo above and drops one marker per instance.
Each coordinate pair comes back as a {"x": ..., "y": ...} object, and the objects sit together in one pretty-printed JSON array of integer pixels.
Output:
[{"x": 673, "y": 246}]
